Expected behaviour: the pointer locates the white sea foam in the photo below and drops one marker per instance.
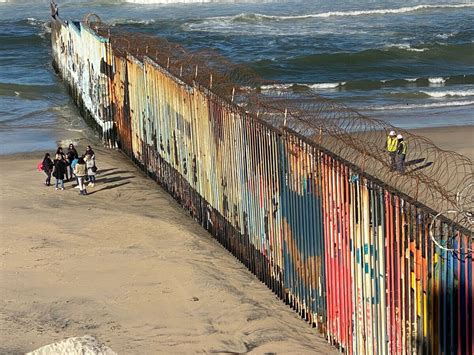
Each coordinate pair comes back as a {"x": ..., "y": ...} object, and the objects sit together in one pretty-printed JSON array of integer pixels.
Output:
[
  {"x": 131, "y": 22},
  {"x": 407, "y": 79},
  {"x": 316, "y": 86},
  {"x": 437, "y": 81},
  {"x": 276, "y": 87},
  {"x": 350, "y": 13},
  {"x": 446, "y": 35},
  {"x": 439, "y": 94},
  {"x": 326, "y": 85},
  {"x": 407, "y": 47},
  {"x": 33, "y": 21},
  {"x": 430, "y": 105},
  {"x": 44, "y": 26}
]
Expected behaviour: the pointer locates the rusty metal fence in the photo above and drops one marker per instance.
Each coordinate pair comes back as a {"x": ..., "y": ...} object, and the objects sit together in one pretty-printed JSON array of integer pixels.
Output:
[{"x": 352, "y": 254}]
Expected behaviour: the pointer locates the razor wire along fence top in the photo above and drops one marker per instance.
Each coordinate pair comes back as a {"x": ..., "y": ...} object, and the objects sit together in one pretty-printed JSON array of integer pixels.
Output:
[{"x": 439, "y": 179}]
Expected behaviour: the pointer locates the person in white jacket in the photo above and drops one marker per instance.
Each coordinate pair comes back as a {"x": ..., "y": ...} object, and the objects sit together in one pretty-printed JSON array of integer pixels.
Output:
[
  {"x": 91, "y": 168},
  {"x": 80, "y": 170}
]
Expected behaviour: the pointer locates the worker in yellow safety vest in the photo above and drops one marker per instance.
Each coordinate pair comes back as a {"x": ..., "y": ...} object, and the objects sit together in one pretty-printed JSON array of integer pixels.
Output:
[
  {"x": 401, "y": 153},
  {"x": 392, "y": 144}
]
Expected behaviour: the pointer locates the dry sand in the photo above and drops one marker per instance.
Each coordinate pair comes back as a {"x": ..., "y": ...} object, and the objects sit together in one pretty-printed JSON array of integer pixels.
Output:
[
  {"x": 126, "y": 264},
  {"x": 459, "y": 139}
]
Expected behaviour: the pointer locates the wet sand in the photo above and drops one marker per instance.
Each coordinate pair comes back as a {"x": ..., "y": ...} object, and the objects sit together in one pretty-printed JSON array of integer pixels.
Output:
[{"x": 127, "y": 265}]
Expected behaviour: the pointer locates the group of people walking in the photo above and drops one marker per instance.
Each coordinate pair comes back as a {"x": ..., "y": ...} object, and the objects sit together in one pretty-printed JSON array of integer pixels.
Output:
[
  {"x": 66, "y": 166},
  {"x": 397, "y": 150}
]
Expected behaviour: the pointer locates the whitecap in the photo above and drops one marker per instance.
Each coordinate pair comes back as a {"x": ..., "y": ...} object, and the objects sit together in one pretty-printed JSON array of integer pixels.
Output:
[
  {"x": 276, "y": 87},
  {"x": 316, "y": 86},
  {"x": 446, "y": 35},
  {"x": 407, "y": 47},
  {"x": 437, "y": 81},
  {"x": 326, "y": 85},
  {"x": 439, "y": 94},
  {"x": 347, "y": 13},
  {"x": 131, "y": 22},
  {"x": 430, "y": 105}
]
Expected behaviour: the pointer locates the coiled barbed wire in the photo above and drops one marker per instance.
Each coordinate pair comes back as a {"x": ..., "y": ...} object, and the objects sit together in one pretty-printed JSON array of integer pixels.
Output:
[{"x": 434, "y": 177}]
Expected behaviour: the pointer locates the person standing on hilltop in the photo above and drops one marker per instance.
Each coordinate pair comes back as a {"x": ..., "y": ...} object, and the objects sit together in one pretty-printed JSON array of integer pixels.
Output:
[
  {"x": 47, "y": 167},
  {"x": 59, "y": 170},
  {"x": 392, "y": 144},
  {"x": 402, "y": 148}
]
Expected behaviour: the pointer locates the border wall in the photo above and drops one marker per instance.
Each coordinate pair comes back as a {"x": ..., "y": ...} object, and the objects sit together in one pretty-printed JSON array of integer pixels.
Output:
[{"x": 351, "y": 256}]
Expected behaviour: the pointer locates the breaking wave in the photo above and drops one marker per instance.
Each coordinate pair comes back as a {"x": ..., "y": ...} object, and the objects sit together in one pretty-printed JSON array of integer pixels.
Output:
[
  {"x": 439, "y": 94},
  {"x": 251, "y": 17},
  {"x": 429, "y": 105}
]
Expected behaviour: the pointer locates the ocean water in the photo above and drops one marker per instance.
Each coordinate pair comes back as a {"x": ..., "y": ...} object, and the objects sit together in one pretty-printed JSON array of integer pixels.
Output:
[{"x": 408, "y": 63}]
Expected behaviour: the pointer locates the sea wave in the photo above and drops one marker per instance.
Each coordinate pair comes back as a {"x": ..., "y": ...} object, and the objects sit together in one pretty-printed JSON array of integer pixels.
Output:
[
  {"x": 456, "y": 52},
  {"x": 251, "y": 17},
  {"x": 408, "y": 47},
  {"x": 382, "y": 57},
  {"x": 28, "y": 91},
  {"x": 428, "y": 105},
  {"x": 384, "y": 83},
  {"x": 116, "y": 22},
  {"x": 437, "y": 81},
  {"x": 301, "y": 86},
  {"x": 326, "y": 85},
  {"x": 439, "y": 94}
]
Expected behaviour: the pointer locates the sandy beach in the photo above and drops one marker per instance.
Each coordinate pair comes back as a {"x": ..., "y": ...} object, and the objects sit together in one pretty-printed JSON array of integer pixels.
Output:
[{"x": 127, "y": 265}]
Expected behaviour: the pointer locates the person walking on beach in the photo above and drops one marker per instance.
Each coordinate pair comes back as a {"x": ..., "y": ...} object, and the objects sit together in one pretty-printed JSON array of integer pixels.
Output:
[
  {"x": 402, "y": 148},
  {"x": 80, "y": 170},
  {"x": 48, "y": 166},
  {"x": 392, "y": 144},
  {"x": 71, "y": 155},
  {"x": 91, "y": 168},
  {"x": 59, "y": 170}
]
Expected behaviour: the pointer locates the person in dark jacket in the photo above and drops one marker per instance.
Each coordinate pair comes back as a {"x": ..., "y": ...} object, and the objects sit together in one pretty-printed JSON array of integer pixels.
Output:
[
  {"x": 47, "y": 168},
  {"x": 71, "y": 155},
  {"x": 89, "y": 151},
  {"x": 59, "y": 170},
  {"x": 402, "y": 149}
]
